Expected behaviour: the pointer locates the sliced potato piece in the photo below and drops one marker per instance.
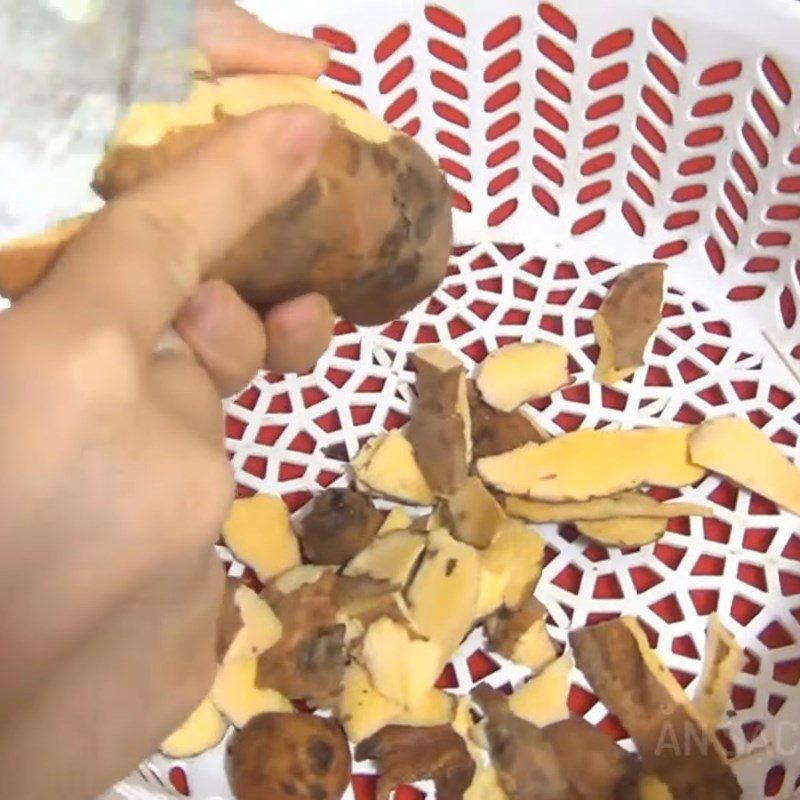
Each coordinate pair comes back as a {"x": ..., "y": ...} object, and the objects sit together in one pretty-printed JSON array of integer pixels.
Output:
[
  {"x": 391, "y": 557},
  {"x": 258, "y": 628},
  {"x": 389, "y": 468},
  {"x": 436, "y": 708},
  {"x": 626, "y": 320},
  {"x": 259, "y": 533},
  {"x": 737, "y": 449},
  {"x": 627, "y": 504},
  {"x": 473, "y": 515},
  {"x": 398, "y": 519},
  {"x": 443, "y": 595},
  {"x": 363, "y": 710},
  {"x": 518, "y": 551},
  {"x": 495, "y": 432},
  {"x": 594, "y": 463},
  {"x": 403, "y": 667},
  {"x": 521, "y": 635},
  {"x": 543, "y": 699},
  {"x": 203, "y": 730},
  {"x": 235, "y": 696},
  {"x": 519, "y": 372},
  {"x": 628, "y": 678},
  {"x": 723, "y": 661},
  {"x": 625, "y": 532}
]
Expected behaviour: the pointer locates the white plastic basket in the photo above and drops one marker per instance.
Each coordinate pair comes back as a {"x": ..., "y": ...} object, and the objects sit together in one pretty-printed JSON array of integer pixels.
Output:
[{"x": 580, "y": 136}]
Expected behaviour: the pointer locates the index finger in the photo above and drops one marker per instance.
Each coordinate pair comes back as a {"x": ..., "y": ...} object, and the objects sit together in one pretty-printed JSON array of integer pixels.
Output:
[{"x": 142, "y": 256}]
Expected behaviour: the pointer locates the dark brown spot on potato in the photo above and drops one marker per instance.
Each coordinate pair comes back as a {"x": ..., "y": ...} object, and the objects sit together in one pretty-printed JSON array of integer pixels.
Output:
[
  {"x": 317, "y": 792},
  {"x": 426, "y": 223},
  {"x": 450, "y": 567},
  {"x": 298, "y": 205},
  {"x": 320, "y": 754}
]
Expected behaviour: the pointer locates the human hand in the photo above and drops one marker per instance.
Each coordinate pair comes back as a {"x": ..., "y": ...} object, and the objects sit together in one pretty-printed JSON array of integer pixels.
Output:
[{"x": 113, "y": 478}]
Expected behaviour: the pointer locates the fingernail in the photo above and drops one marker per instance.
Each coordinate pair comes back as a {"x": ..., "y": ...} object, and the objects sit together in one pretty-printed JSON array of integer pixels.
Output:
[{"x": 321, "y": 51}]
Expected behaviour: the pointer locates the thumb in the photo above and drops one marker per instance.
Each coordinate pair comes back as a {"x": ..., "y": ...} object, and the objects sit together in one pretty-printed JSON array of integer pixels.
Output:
[{"x": 144, "y": 254}]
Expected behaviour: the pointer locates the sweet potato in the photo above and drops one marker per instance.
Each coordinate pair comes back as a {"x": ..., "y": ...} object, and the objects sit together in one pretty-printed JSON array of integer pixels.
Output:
[
  {"x": 203, "y": 730},
  {"x": 259, "y": 533},
  {"x": 386, "y": 466},
  {"x": 371, "y": 229},
  {"x": 521, "y": 635}
]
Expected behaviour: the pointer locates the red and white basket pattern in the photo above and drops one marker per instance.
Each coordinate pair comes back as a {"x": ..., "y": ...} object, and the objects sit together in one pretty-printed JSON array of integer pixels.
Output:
[{"x": 580, "y": 138}]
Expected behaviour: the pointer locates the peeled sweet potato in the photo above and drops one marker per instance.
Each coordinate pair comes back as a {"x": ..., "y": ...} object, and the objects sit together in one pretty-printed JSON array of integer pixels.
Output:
[{"x": 371, "y": 229}]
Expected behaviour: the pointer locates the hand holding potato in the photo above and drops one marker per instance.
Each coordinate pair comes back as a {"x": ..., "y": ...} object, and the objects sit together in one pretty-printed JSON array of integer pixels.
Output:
[{"x": 113, "y": 478}]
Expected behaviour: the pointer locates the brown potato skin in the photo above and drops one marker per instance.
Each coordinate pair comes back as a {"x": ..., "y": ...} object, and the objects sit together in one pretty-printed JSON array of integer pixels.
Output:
[
  {"x": 230, "y": 621},
  {"x": 281, "y": 756},
  {"x": 371, "y": 229},
  {"x": 341, "y": 524}
]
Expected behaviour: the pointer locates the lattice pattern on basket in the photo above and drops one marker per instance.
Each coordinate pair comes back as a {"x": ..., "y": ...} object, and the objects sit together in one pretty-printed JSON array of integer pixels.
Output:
[
  {"x": 584, "y": 131},
  {"x": 581, "y": 122},
  {"x": 293, "y": 434}
]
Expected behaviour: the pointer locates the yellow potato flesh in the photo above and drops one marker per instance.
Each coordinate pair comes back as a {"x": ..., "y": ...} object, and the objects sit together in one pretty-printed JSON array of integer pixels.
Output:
[
  {"x": 519, "y": 372},
  {"x": 594, "y": 463},
  {"x": 146, "y": 123},
  {"x": 738, "y": 450},
  {"x": 259, "y": 533}
]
